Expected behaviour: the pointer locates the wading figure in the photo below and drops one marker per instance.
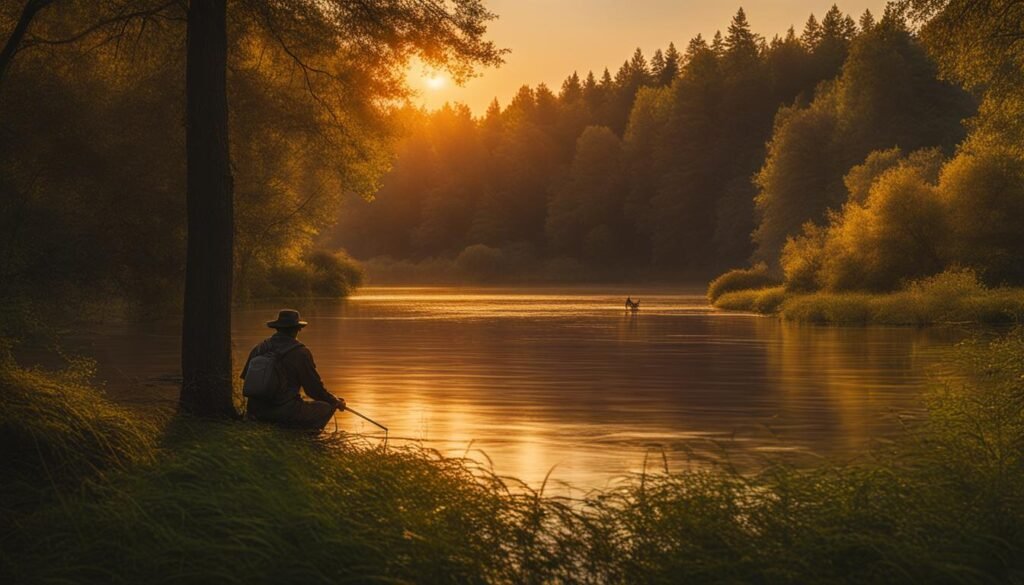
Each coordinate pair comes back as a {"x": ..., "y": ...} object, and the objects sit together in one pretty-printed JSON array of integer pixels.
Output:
[
  {"x": 275, "y": 371},
  {"x": 632, "y": 305}
]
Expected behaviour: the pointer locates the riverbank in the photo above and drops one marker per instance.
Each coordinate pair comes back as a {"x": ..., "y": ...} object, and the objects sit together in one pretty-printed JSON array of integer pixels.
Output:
[
  {"x": 947, "y": 298},
  {"x": 93, "y": 493}
]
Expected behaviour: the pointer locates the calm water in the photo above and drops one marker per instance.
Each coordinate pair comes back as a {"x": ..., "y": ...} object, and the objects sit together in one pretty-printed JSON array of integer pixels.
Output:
[{"x": 543, "y": 379}]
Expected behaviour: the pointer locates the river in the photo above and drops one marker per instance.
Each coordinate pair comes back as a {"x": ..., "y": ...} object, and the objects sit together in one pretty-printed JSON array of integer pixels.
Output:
[{"x": 566, "y": 381}]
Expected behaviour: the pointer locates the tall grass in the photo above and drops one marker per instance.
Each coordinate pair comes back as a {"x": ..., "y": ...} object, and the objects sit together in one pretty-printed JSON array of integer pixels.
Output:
[{"x": 241, "y": 503}]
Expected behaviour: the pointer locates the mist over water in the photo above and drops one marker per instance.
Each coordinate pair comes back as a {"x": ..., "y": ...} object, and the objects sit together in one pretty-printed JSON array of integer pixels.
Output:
[{"x": 567, "y": 381}]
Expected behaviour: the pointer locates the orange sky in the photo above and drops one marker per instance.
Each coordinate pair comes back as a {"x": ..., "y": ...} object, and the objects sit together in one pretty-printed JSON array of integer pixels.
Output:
[{"x": 550, "y": 39}]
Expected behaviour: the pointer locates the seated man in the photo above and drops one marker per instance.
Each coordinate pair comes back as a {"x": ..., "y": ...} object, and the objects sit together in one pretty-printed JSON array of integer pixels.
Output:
[{"x": 295, "y": 365}]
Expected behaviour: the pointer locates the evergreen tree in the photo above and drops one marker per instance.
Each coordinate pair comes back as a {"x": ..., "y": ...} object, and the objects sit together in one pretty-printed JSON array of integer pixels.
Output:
[
  {"x": 811, "y": 36},
  {"x": 657, "y": 66},
  {"x": 639, "y": 71},
  {"x": 673, "y": 65},
  {"x": 867, "y": 21},
  {"x": 545, "y": 106},
  {"x": 572, "y": 90},
  {"x": 717, "y": 44},
  {"x": 741, "y": 44},
  {"x": 789, "y": 66},
  {"x": 593, "y": 94}
]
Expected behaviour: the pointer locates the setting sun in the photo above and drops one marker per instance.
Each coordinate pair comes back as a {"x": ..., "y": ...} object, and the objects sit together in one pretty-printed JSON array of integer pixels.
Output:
[{"x": 434, "y": 82}]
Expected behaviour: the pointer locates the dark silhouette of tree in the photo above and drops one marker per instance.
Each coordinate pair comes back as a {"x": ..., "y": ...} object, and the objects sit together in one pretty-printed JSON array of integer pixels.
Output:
[
  {"x": 867, "y": 21},
  {"x": 28, "y": 13},
  {"x": 572, "y": 89},
  {"x": 672, "y": 66},
  {"x": 206, "y": 387}
]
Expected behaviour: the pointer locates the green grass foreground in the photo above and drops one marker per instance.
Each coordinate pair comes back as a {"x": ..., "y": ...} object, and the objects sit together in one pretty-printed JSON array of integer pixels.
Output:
[
  {"x": 947, "y": 298},
  {"x": 92, "y": 494}
]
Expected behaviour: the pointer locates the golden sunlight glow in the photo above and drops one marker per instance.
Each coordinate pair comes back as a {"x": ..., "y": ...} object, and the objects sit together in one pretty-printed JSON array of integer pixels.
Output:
[{"x": 435, "y": 81}]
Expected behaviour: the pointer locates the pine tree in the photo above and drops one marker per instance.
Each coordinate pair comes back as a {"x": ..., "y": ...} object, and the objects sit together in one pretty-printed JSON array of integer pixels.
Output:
[
  {"x": 673, "y": 65},
  {"x": 849, "y": 27},
  {"x": 622, "y": 76},
  {"x": 867, "y": 21},
  {"x": 593, "y": 94},
  {"x": 545, "y": 105},
  {"x": 741, "y": 44},
  {"x": 697, "y": 47},
  {"x": 523, "y": 105},
  {"x": 657, "y": 66},
  {"x": 717, "y": 44},
  {"x": 837, "y": 27},
  {"x": 812, "y": 33},
  {"x": 571, "y": 91},
  {"x": 639, "y": 72}
]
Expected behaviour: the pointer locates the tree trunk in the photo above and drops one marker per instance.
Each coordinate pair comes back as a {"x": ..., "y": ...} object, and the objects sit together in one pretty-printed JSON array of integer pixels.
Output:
[
  {"x": 32, "y": 7},
  {"x": 206, "y": 328}
]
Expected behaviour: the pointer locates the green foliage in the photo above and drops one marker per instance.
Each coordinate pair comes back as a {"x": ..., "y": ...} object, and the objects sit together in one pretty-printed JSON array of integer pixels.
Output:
[
  {"x": 950, "y": 297},
  {"x": 953, "y": 296},
  {"x": 480, "y": 262},
  {"x": 92, "y": 144},
  {"x": 911, "y": 217},
  {"x": 895, "y": 235},
  {"x": 984, "y": 192},
  {"x": 942, "y": 503},
  {"x": 585, "y": 213},
  {"x": 803, "y": 257},
  {"x": 758, "y": 300},
  {"x": 320, "y": 273},
  {"x": 740, "y": 279},
  {"x": 887, "y": 95}
]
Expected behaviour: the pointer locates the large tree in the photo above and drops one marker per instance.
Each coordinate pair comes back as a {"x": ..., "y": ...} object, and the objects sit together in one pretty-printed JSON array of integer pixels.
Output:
[
  {"x": 206, "y": 385},
  {"x": 354, "y": 49},
  {"x": 329, "y": 69}
]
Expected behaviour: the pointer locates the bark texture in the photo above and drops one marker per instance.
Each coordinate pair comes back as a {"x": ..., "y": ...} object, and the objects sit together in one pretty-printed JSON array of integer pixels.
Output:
[{"x": 206, "y": 328}]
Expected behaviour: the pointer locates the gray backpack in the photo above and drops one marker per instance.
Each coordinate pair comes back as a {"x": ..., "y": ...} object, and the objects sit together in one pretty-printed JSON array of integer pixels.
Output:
[{"x": 264, "y": 377}]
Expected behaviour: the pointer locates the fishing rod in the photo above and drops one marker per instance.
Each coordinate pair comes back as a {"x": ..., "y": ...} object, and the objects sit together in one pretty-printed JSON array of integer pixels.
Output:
[
  {"x": 366, "y": 418},
  {"x": 370, "y": 420}
]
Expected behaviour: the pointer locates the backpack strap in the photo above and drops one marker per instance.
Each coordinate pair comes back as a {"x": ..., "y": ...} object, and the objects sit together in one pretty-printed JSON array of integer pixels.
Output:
[{"x": 266, "y": 347}]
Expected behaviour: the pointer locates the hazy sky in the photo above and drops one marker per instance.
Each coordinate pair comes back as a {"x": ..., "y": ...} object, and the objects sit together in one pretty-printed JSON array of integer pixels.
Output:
[{"x": 550, "y": 39}]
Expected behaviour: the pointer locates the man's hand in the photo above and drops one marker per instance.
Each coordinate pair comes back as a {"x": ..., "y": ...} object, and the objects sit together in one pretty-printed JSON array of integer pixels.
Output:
[{"x": 339, "y": 403}]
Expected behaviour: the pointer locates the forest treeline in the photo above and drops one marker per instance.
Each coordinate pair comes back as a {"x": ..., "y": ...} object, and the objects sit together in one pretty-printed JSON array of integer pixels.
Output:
[
  {"x": 681, "y": 165},
  {"x": 838, "y": 156}
]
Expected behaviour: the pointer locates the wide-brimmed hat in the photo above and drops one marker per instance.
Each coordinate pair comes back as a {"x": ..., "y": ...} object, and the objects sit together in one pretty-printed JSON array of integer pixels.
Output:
[{"x": 286, "y": 319}]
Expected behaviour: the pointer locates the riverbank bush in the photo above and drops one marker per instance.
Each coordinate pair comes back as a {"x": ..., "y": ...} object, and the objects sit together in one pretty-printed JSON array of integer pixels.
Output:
[
  {"x": 758, "y": 300},
  {"x": 954, "y": 296},
  {"x": 742, "y": 279},
  {"x": 242, "y": 503},
  {"x": 320, "y": 273}
]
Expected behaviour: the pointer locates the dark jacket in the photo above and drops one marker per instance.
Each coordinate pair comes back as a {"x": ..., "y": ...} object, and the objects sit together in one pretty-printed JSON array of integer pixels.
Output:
[{"x": 299, "y": 371}]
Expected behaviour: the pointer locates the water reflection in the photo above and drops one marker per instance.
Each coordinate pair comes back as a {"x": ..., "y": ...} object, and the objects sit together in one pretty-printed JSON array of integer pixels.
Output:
[{"x": 568, "y": 379}]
